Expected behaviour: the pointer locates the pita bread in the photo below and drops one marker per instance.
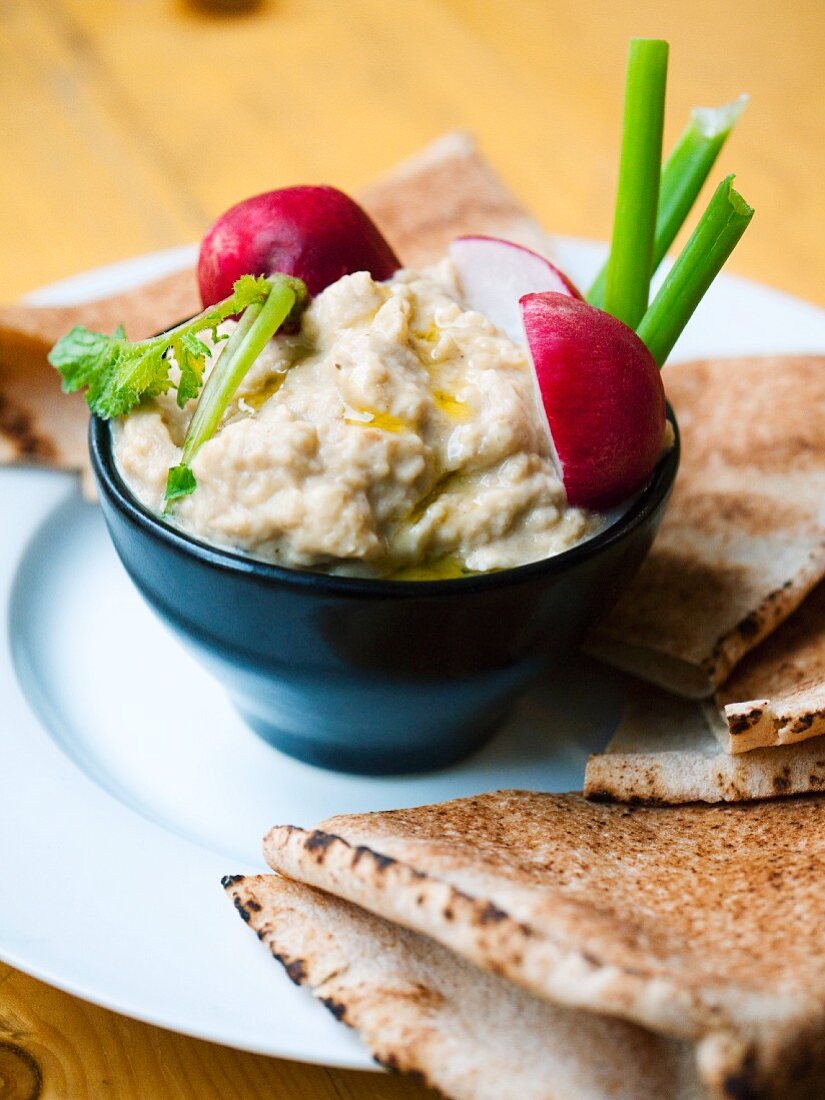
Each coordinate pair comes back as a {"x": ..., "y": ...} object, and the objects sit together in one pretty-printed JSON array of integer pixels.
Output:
[
  {"x": 143, "y": 311},
  {"x": 777, "y": 695},
  {"x": 41, "y": 425},
  {"x": 425, "y": 1011},
  {"x": 443, "y": 192},
  {"x": 446, "y": 190},
  {"x": 697, "y": 922},
  {"x": 664, "y": 753},
  {"x": 743, "y": 540}
]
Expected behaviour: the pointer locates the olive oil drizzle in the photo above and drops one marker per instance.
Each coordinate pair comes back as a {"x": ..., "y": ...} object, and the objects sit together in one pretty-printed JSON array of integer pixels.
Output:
[
  {"x": 386, "y": 422},
  {"x": 270, "y": 387},
  {"x": 451, "y": 406},
  {"x": 448, "y": 567}
]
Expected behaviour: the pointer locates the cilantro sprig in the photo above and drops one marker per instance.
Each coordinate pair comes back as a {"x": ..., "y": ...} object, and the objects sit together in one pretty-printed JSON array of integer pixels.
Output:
[
  {"x": 117, "y": 373},
  {"x": 255, "y": 328}
]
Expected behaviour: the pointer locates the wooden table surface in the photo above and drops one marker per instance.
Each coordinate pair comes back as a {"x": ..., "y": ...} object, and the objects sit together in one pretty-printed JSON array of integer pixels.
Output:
[{"x": 127, "y": 126}]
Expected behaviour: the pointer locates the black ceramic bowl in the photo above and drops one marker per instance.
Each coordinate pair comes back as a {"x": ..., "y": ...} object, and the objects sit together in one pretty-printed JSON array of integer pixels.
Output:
[{"x": 373, "y": 676}]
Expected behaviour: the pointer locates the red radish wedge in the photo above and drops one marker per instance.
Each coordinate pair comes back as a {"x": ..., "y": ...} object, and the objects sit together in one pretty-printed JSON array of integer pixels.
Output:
[
  {"x": 494, "y": 274},
  {"x": 315, "y": 233},
  {"x": 603, "y": 396}
]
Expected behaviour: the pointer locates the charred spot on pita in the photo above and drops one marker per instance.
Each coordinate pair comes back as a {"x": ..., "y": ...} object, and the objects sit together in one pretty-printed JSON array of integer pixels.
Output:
[
  {"x": 319, "y": 842},
  {"x": 381, "y": 862},
  {"x": 749, "y": 626},
  {"x": 241, "y": 907},
  {"x": 338, "y": 1010},
  {"x": 18, "y": 427},
  {"x": 491, "y": 914},
  {"x": 296, "y": 970},
  {"x": 741, "y": 723}
]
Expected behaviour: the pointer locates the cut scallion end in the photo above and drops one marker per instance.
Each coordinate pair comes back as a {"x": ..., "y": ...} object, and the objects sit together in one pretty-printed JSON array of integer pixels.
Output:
[
  {"x": 683, "y": 177},
  {"x": 634, "y": 225},
  {"x": 715, "y": 237}
]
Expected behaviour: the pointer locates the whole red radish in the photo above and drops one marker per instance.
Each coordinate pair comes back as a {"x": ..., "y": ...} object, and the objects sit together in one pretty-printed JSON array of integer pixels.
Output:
[
  {"x": 603, "y": 396},
  {"x": 494, "y": 274},
  {"x": 315, "y": 233}
]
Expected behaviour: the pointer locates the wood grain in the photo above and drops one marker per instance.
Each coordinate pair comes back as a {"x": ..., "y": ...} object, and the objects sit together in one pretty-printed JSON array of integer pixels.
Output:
[
  {"x": 128, "y": 126},
  {"x": 56, "y": 1046},
  {"x": 141, "y": 122}
]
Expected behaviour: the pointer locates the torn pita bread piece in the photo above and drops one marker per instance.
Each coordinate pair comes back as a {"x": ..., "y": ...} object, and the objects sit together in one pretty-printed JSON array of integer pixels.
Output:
[
  {"x": 776, "y": 696},
  {"x": 663, "y": 753},
  {"x": 143, "y": 311},
  {"x": 425, "y": 1011},
  {"x": 696, "y": 922},
  {"x": 743, "y": 540},
  {"x": 444, "y": 191},
  {"x": 41, "y": 425}
]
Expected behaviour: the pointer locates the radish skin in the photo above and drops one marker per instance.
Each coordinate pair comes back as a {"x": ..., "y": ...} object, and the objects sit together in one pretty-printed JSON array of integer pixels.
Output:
[
  {"x": 317, "y": 234},
  {"x": 602, "y": 394}
]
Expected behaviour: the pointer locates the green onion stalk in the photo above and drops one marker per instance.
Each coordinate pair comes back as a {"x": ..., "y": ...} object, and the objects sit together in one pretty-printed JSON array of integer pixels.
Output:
[
  {"x": 683, "y": 177},
  {"x": 634, "y": 225},
  {"x": 715, "y": 237}
]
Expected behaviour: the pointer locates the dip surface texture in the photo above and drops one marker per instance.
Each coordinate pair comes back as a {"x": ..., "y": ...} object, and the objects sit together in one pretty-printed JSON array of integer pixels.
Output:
[{"x": 397, "y": 434}]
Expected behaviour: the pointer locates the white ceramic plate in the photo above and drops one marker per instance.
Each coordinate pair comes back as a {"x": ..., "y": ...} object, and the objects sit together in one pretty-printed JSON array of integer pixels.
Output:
[{"x": 128, "y": 785}]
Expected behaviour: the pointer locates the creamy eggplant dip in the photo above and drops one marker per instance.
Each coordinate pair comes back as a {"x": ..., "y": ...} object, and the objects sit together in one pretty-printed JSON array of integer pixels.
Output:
[{"x": 395, "y": 434}]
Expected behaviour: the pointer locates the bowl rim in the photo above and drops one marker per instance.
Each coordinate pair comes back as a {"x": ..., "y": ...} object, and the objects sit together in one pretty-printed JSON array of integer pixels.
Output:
[{"x": 113, "y": 486}]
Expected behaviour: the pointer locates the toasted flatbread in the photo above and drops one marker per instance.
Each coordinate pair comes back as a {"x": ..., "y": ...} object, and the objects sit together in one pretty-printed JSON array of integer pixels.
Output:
[
  {"x": 776, "y": 696},
  {"x": 743, "y": 540},
  {"x": 425, "y": 1011},
  {"x": 143, "y": 311},
  {"x": 39, "y": 424},
  {"x": 664, "y": 753},
  {"x": 444, "y": 191},
  {"x": 698, "y": 922}
]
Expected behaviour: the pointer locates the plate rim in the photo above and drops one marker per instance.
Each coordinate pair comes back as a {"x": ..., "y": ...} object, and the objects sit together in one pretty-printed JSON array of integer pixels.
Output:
[{"x": 59, "y": 487}]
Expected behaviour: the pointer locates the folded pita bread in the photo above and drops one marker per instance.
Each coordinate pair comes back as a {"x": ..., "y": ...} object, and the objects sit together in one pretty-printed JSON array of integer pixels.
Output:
[
  {"x": 39, "y": 423},
  {"x": 777, "y": 695},
  {"x": 697, "y": 922},
  {"x": 743, "y": 540},
  {"x": 425, "y": 1011},
  {"x": 142, "y": 311},
  {"x": 446, "y": 190},
  {"x": 663, "y": 753}
]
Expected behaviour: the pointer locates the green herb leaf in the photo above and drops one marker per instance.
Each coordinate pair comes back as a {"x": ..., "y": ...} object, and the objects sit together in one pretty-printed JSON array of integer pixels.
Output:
[
  {"x": 180, "y": 482},
  {"x": 85, "y": 360},
  {"x": 117, "y": 373},
  {"x": 249, "y": 289},
  {"x": 190, "y": 355},
  {"x": 114, "y": 373}
]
